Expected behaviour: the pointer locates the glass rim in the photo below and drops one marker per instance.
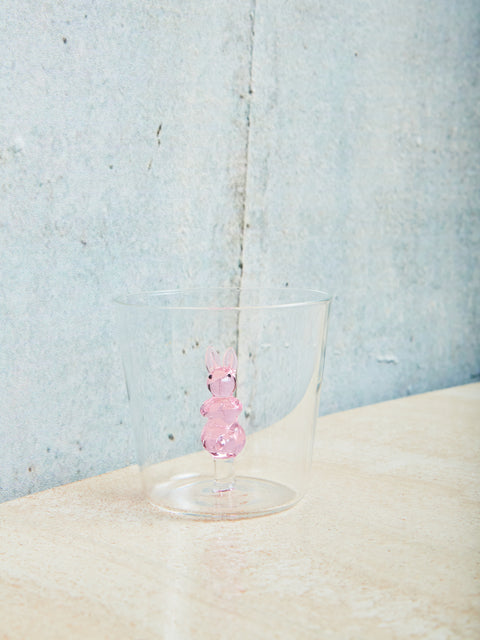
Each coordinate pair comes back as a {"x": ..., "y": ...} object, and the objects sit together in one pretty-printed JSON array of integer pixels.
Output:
[{"x": 135, "y": 299}]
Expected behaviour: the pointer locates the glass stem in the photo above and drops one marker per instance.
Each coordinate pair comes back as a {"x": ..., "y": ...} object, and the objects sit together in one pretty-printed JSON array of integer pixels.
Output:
[{"x": 224, "y": 474}]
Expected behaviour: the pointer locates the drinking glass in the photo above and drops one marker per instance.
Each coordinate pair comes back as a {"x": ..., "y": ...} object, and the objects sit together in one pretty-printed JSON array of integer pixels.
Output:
[{"x": 252, "y": 360}]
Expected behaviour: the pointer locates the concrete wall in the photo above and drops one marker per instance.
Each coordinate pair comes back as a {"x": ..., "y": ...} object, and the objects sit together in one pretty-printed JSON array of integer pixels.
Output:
[{"x": 158, "y": 144}]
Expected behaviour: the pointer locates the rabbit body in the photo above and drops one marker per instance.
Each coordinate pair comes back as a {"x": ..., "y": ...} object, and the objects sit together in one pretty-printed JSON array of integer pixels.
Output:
[
  {"x": 224, "y": 410},
  {"x": 222, "y": 436}
]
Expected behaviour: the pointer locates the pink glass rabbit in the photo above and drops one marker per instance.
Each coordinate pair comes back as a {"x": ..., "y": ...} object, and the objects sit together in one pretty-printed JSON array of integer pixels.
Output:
[{"x": 222, "y": 436}]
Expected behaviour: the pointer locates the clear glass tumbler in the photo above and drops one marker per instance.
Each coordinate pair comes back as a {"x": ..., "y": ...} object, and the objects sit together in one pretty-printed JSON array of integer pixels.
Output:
[{"x": 224, "y": 386}]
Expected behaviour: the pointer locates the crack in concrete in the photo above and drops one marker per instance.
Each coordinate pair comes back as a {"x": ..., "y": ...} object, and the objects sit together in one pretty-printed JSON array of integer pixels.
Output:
[
  {"x": 243, "y": 209},
  {"x": 242, "y": 222}
]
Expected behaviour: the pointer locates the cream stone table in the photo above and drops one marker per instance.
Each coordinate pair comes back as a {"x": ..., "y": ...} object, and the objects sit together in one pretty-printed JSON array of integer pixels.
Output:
[{"x": 385, "y": 545}]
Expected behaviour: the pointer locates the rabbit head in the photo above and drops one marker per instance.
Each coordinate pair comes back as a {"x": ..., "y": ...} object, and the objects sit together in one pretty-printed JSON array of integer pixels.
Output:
[{"x": 222, "y": 379}]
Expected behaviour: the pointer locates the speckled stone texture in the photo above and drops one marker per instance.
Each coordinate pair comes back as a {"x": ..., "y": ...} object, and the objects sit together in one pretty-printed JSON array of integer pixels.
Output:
[
  {"x": 384, "y": 546},
  {"x": 152, "y": 145}
]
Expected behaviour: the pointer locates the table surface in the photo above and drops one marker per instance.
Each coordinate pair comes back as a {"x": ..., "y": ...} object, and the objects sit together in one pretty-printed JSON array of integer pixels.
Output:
[{"x": 385, "y": 545}]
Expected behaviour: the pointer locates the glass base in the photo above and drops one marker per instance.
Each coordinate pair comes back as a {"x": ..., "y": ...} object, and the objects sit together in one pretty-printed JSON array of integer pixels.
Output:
[{"x": 201, "y": 497}]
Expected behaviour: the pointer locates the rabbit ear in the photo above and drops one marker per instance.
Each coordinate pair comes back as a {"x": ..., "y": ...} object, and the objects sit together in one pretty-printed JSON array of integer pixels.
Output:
[
  {"x": 230, "y": 359},
  {"x": 212, "y": 359}
]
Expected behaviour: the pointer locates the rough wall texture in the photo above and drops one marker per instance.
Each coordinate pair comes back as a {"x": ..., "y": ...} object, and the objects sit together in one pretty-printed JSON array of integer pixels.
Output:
[
  {"x": 363, "y": 174},
  {"x": 326, "y": 144}
]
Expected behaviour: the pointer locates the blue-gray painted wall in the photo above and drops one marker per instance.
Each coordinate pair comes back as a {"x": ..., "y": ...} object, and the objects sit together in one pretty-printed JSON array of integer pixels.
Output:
[{"x": 150, "y": 145}]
